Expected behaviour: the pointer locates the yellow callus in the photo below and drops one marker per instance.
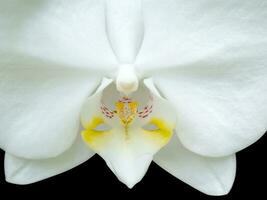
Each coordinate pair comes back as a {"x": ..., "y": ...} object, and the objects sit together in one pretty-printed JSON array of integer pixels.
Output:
[
  {"x": 126, "y": 112},
  {"x": 162, "y": 134},
  {"x": 92, "y": 136}
]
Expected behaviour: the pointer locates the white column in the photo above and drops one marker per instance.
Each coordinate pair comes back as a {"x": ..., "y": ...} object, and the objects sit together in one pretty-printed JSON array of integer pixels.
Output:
[{"x": 125, "y": 32}]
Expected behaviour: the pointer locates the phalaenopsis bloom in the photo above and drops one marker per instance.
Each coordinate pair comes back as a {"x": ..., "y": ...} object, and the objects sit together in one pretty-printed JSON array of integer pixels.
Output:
[{"x": 181, "y": 83}]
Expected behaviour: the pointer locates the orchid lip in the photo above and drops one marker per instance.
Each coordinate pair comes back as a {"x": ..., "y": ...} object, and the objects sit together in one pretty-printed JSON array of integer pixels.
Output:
[
  {"x": 130, "y": 172},
  {"x": 138, "y": 126}
]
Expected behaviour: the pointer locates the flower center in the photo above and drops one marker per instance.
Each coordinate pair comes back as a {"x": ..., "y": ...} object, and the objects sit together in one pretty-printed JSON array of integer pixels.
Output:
[{"x": 127, "y": 110}]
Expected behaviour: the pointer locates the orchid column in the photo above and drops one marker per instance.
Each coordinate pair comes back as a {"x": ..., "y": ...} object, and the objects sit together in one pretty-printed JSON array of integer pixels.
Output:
[{"x": 125, "y": 31}]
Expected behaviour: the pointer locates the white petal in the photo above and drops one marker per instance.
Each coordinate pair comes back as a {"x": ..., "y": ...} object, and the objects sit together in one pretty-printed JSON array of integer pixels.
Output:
[
  {"x": 210, "y": 61},
  {"x": 40, "y": 107},
  {"x": 127, "y": 150},
  {"x": 212, "y": 176},
  {"x": 41, "y": 46},
  {"x": 72, "y": 33},
  {"x": 180, "y": 32},
  {"x": 25, "y": 171}
]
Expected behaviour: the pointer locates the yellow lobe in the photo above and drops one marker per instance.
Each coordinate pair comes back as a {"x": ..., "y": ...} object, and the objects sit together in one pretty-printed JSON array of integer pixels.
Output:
[
  {"x": 163, "y": 132},
  {"x": 92, "y": 137}
]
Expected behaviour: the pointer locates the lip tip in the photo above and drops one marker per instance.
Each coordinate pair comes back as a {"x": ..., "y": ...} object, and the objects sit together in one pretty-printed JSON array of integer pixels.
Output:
[
  {"x": 130, "y": 186},
  {"x": 130, "y": 182}
]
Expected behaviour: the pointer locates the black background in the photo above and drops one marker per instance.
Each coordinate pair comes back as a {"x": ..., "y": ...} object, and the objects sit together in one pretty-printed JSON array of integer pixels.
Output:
[{"x": 94, "y": 178}]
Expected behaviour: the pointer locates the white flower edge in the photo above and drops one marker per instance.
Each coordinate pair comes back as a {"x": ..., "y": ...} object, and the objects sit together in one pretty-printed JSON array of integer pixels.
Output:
[
  {"x": 213, "y": 176},
  {"x": 26, "y": 171}
]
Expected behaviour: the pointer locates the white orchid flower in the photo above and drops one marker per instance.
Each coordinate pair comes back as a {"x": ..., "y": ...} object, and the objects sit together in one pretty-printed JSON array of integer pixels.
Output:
[{"x": 119, "y": 77}]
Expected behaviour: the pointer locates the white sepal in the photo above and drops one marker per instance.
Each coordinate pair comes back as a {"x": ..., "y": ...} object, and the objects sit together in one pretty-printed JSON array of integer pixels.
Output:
[
  {"x": 212, "y": 176},
  {"x": 26, "y": 171}
]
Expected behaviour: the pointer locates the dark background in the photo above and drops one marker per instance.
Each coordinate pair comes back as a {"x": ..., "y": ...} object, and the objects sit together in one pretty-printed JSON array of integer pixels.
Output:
[{"x": 94, "y": 178}]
